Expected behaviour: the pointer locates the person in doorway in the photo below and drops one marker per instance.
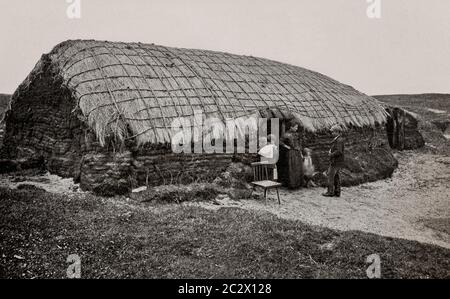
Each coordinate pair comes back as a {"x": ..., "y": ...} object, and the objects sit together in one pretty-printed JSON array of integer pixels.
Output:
[
  {"x": 291, "y": 141},
  {"x": 390, "y": 127},
  {"x": 337, "y": 161}
]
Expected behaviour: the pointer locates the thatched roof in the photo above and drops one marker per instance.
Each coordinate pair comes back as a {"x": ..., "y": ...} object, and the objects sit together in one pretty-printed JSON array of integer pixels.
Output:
[{"x": 123, "y": 87}]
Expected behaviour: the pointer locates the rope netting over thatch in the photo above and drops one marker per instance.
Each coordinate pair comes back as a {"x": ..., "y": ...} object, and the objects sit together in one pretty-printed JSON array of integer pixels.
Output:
[{"x": 123, "y": 87}]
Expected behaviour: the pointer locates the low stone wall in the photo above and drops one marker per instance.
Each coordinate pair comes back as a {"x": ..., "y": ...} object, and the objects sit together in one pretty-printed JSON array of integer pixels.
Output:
[
  {"x": 413, "y": 138},
  {"x": 367, "y": 154},
  {"x": 105, "y": 172},
  {"x": 165, "y": 167},
  {"x": 356, "y": 140}
]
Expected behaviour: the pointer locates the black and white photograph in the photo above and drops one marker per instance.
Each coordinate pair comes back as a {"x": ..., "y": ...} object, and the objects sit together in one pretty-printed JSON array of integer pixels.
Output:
[{"x": 225, "y": 145}]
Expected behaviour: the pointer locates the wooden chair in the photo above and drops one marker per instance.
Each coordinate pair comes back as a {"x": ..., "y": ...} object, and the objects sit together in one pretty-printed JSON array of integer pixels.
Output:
[{"x": 261, "y": 178}]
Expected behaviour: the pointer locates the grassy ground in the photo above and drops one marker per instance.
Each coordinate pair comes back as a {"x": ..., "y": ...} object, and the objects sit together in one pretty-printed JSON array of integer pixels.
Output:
[{"x": 120, "y": 239}]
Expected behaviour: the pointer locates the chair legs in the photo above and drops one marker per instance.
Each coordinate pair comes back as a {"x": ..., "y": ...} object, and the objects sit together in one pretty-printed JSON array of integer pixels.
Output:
[
  {"x": 265, "y": 195},
  {"x": 251, "y": 193}
]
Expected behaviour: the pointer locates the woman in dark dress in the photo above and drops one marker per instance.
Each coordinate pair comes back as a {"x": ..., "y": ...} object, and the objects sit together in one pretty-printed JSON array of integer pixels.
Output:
[{"x": 291, "y": 141}]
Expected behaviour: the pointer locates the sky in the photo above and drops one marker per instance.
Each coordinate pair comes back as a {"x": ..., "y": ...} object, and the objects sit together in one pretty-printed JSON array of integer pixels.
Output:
[{"x": 405, "y": 50}]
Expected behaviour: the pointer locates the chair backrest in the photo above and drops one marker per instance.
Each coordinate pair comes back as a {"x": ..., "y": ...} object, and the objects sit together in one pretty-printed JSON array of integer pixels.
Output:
[{"x": 261, "y": 171}]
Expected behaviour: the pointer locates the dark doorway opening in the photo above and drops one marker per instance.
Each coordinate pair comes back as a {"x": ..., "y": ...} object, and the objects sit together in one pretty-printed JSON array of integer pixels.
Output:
[{"x": 395, "y": 128}]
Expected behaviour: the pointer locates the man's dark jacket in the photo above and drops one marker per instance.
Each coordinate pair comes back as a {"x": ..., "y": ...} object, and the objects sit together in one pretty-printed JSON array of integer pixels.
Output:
[{"x": 337, "y": 157}]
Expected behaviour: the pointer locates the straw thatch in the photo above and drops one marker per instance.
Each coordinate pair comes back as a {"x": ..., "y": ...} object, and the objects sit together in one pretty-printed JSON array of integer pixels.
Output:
[{"x": 134, "y": 90}]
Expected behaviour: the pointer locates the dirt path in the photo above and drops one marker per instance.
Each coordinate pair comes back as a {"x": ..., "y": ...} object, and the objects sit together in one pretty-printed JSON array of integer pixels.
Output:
[{"x": 414, "y": 204}]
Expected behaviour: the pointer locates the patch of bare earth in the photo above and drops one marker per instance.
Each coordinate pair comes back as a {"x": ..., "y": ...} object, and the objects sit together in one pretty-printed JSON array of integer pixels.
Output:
[
  {"x": 49, "y": 182},
  {"x": 414, "y": 204}
]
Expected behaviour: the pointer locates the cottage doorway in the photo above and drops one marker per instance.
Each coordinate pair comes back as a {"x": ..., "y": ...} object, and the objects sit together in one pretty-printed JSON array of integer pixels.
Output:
[{"x": 395, "y": 128}]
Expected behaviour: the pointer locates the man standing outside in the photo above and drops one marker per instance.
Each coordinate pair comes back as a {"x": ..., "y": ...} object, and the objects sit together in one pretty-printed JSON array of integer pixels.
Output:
[{"x": 337, "y": 161}]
